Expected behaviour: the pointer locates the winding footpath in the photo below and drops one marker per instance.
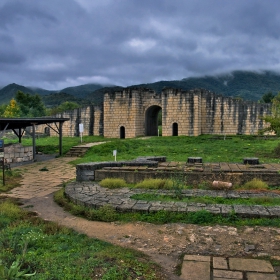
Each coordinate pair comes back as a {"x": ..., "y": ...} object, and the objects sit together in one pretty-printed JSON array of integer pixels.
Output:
[{"x": 164, "y": 243}]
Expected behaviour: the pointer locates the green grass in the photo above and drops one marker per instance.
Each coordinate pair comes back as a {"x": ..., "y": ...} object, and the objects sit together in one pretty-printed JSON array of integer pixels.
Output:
[
  {"x": 11, "y": 180},
  {"x": 154, "y": 184},
  {"x": 113, "y": 183},
  {"x": 210, "y": 147},
  {"x": 50, "y": 145},
  {"x": 255, "y": 184},
  {"x": 55, "y": 252},
  {"x": 268, "y": 201},
  {"x": 108, "y": 214},
  {"x": 233, "y": 149}
]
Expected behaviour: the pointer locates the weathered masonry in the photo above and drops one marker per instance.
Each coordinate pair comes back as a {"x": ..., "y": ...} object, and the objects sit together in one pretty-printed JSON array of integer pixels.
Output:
[{"x": 134, "y": 112}]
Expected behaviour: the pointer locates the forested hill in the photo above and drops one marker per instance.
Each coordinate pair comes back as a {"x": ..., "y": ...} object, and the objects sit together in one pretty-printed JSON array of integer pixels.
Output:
[
  {"x": 9, "y": 91},
  {"x": 243, "y": 84}
]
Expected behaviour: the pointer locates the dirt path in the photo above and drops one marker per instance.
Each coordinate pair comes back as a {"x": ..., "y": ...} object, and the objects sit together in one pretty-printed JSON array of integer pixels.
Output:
[{"x": 164, "y": 243}]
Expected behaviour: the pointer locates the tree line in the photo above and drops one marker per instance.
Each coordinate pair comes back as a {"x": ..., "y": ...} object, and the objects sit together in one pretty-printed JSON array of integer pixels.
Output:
[{"x": 29, "y": 105}]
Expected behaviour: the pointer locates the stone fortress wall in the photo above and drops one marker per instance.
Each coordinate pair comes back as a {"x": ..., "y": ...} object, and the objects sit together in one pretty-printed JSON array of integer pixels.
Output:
[{"x": 133, "y": 112}]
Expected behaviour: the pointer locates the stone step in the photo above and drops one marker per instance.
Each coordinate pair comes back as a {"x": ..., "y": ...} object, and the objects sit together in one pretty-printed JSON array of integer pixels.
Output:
[{"x": 76, "y": 151}]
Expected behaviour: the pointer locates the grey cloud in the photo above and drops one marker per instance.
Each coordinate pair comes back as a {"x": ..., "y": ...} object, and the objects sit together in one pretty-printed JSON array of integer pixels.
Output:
[{"x": 127, "y": 41}]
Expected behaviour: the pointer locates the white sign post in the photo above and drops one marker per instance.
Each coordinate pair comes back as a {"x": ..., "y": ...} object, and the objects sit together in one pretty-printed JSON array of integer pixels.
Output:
[
  {"x": 115, "y": 154},
  {"x": 81, "y": 130}
]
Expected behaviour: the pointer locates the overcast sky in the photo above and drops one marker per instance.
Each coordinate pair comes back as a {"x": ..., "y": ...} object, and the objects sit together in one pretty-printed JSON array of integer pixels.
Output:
[{"x": 54, "y": 44}]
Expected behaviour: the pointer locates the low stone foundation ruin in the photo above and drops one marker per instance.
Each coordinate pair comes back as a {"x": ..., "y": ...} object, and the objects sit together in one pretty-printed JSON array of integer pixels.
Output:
[
  {"x": 193, "y": 174},
  {"x": 18, "y": 153}
]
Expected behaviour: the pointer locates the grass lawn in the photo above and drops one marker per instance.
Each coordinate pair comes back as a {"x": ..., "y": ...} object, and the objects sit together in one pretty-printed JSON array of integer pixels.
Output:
[
  {"x": 211, "y": 148},
  {"x": 29, "y": 244},
  {"x": 267, "y": 201},
  {"x": 233, "y": 149},
  {"x": 50, "y": 145}
]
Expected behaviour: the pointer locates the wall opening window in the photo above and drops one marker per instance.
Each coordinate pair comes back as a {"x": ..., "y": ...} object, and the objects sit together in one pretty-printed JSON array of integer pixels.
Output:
[
  {"x": 122, "y": 132},
  {"x": 175, "y": 129}
]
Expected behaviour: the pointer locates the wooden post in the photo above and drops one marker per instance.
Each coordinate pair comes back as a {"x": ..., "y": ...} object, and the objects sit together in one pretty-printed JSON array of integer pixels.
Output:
[
  {"x": 33, "y": 142},
  {"x": 60, "y": 138}
]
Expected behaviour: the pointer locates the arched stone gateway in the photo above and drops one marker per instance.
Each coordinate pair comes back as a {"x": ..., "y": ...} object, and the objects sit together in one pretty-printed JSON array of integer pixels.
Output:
[
  {"x": 190, "y": 113},
  {"x": 151, "y": 120}
]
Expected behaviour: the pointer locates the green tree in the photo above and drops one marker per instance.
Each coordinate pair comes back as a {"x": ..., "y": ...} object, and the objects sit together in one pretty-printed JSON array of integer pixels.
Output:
[
  {"x": 12, "y": 110},
  {"x": 67, "y": 105},
  {"x": 2, "y": 109},
  {"x": 274, "y": 118},
  {"x": 30, "y": 105},
  {"x": 267, "y": 97}
]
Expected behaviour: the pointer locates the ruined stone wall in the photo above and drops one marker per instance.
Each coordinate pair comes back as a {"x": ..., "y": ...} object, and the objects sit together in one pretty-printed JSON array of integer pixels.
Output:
[
  {"x": 132, "y": 112},
  {"x": 194, "y": 112},
  {"x": 182, "y": 108},
  {"x": 119, "y": 111},
  {"x": 127, "y": 109},
  {"x": 91, "y": 117},
  {"x": 224, "y": 115},
  {"x": 18, "y": 153}
]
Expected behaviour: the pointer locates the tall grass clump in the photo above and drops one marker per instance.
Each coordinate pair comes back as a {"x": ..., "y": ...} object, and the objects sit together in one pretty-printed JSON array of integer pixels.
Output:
[
  {"x": 12, "y": 178},
  {"x": 155, "y": 184},
  {"x": 255, "y": 184},
  {"x": 10, "y": 210},
  {"x": 276, "y": 151},
  {"x": 113, "y": 183}
]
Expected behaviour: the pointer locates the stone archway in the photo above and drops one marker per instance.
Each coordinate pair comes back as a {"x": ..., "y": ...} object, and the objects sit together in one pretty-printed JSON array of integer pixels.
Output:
[{"x": 151, "y": 120}]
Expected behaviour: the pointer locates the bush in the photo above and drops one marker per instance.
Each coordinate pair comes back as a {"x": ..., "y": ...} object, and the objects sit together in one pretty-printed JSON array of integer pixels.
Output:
[
  {"x": 155, "y": 184},
  {"x": 201, "y": 217},
  {"x": 113, "y": 183},
  {"x": 276, "y": 151},
  {"x": 255, "y": 184},
  {"x": 10, "y": 210},
  {"x": 105, "y": 213}
]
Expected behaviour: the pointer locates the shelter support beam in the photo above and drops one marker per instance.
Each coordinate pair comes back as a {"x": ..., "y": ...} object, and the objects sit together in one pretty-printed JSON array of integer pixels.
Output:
[
  {"x": 33, "y": 141},
  {"x": 60, "y": 138},
  {"x": 19, "y": 133}
]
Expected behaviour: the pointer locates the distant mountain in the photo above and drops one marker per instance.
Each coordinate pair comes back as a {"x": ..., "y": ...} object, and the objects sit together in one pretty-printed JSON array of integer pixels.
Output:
[
  {"x": 9, "y": 91},
  {"x": 42, "y": 91},
  {"x": 245, "y": 84},
  {"x": 96, "y": 97},
  {"x": 83, "y": 90},
  {"x": 57, "y": 98},
  {"x": 53, "y": 98}
]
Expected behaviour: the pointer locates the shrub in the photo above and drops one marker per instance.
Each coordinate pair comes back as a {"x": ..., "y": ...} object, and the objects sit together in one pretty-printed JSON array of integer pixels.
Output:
[
  {"x": 113, "y": 183},
  {"x": 105, "y": 213},
  {"x": 155, "y": 184},
  {"x": 255, "y": 184},
  {"x": 276, "y": 151},
  {"x": 10, "y": 210},
  {"x": 201, "y": 217}
]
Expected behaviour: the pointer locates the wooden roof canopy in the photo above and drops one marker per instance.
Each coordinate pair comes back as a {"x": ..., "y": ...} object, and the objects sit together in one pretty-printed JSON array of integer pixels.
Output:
[{"x": 18, "y": 125}]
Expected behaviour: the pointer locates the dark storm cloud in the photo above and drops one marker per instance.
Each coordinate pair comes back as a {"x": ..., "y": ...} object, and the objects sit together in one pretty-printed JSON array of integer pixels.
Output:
[{"x": 59, "y": 43}]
